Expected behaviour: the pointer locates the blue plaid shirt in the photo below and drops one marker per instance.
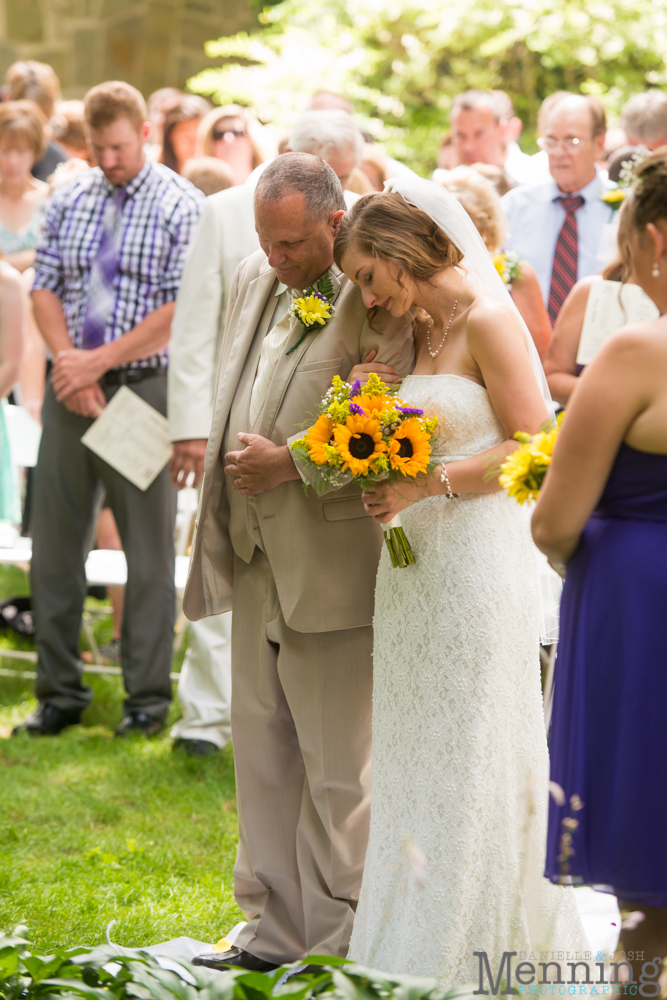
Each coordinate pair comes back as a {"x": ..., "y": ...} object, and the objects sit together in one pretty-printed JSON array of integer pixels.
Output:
[{"x": 159, "y": 219}]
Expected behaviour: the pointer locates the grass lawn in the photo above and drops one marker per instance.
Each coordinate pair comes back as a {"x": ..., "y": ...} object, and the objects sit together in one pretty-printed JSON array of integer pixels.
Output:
[{"x": 94, "y": 829}]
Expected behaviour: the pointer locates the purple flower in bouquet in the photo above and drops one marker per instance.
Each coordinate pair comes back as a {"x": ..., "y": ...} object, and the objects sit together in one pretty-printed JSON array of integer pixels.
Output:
[
  {"x": 356, "y": 389},
  {"x": 411, "y": 411},
  {"x": 355, "y": 408}
]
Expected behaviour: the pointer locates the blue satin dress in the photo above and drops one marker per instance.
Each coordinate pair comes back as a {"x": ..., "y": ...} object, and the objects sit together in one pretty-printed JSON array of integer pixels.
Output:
[{"x": 609, "y": 730}]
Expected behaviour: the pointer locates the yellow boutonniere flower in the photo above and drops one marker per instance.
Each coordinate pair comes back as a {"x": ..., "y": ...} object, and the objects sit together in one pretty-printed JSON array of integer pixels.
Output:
[{"x": 614, "y": 198}]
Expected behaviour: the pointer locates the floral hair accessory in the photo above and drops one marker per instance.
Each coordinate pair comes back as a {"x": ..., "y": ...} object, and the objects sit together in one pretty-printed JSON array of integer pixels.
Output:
[{"x": 314, "y": 308}]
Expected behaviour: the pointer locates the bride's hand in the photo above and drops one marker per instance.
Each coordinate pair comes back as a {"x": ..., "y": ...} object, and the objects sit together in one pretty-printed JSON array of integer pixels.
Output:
[
  {"x": 361, "y": 372},
  {"x": 384, "y": 501}
]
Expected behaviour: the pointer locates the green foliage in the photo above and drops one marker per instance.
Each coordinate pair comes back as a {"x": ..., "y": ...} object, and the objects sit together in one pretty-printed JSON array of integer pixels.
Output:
[
  {"x": 111, "y": 973},
  {"x": 401, "y": 62}
]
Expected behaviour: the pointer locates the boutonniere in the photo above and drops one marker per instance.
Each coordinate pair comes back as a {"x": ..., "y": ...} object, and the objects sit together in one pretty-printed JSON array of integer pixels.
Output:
[
  {"x": 614, "y": 198},
  {"x": 314, "y": 308},
  {"x": 508, "y": 266}
]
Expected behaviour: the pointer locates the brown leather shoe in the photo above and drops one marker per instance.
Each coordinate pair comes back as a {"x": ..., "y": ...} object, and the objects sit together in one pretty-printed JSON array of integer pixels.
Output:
[{"x": 234, "y": 958}]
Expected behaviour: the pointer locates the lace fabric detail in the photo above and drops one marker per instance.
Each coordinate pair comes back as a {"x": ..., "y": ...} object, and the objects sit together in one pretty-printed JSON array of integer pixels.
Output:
[{"x": 460, "y": 763}]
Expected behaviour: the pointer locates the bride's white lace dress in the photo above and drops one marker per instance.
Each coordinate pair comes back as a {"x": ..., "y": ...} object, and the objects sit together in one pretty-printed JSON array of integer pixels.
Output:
[{"x": 460, "y": 765}]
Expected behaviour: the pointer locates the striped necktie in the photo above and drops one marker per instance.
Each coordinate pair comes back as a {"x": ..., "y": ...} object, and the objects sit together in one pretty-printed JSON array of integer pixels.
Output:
[
  {"x": 101, "y": 297},
  {"x": 566, "y": 257}
]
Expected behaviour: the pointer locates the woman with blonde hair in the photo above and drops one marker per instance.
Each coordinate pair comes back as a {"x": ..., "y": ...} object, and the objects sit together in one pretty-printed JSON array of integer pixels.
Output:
[
  {"x": 480, "y": 198},
  {"x": 22, "y": 197},
  {"x": 228, "y": 133},
  {"x": 602, "y": 518},
  {"x": 459, "y": 796}
]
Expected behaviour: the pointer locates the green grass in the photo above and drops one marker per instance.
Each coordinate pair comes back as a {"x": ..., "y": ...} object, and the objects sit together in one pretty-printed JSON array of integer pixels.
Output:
[{"x": 94, "y": 829}]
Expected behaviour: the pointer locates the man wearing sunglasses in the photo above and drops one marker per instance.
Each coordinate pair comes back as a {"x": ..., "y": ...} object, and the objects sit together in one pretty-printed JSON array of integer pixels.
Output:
[{"x": 562, "y": 227}]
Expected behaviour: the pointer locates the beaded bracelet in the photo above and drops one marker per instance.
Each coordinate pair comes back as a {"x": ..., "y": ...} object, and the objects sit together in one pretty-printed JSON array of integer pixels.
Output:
[{"x": 444, "y": 478}]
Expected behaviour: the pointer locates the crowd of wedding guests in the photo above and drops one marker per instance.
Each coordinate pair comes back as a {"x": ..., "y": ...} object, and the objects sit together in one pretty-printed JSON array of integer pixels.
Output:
[{"x": 541, "y": 216}]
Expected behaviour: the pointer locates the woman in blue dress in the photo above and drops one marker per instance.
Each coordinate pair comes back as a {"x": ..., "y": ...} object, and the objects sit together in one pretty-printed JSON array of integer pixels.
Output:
[{"x": 603, "y": 514}]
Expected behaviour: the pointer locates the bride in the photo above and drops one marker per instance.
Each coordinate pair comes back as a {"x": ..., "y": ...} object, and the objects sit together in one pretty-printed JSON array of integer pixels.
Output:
[{"x": 460, "y": 765}]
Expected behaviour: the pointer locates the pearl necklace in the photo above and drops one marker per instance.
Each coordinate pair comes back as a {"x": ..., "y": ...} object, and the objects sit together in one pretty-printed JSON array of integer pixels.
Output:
[{"x": 433, "y": 353}]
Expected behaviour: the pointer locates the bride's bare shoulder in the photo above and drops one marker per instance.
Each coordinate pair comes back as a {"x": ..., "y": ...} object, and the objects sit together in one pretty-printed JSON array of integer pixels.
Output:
[{"x": 489, "y": 315}]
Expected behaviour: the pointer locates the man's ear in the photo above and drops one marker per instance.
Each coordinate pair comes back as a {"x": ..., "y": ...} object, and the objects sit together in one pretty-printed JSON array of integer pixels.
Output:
[
  {"x": 145, "y": 131},
  {"x": 335, "y": 221}
]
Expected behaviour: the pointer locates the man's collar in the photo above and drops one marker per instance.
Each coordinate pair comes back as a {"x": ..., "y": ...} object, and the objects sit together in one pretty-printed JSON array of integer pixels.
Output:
[
  {"x": 334, "y": 272},
  {"x": 132, "y": 186},
  {"x": 589, "y": 192}
]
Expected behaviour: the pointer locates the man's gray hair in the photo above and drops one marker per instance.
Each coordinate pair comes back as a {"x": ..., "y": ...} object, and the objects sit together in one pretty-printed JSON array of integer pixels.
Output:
[
  {"x": 497, "y": 102},
  {"x": 304, "y": 174},
  {"x": 644, "y": 117},
  {"x": 325, "y": 132}
]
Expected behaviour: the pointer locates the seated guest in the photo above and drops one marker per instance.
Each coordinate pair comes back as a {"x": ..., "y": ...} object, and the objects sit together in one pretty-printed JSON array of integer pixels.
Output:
[
  {"x": 448, "y": 156},
  {"x": 482, "y": 203},
  {"x": 558, "y": 227},
  {"x": 602, "y": 514},
  {"x": 68, "y": 128},
  {"x": 22, "y": 199},
  {"x": 208, "y": 173},
  {"x": 228, "y": 133},
  {"x": 158, "y": 103},
  {"x": 644, "y": 119},
  {"x": 179, "y": 131},
  {"x": 37, "y": 82}
]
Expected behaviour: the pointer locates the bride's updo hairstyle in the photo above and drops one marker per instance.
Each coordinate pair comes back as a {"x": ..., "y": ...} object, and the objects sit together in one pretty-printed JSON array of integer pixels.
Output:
[
  {"x": 647, "y": 196},
  {"x": 385, "y": 226}
]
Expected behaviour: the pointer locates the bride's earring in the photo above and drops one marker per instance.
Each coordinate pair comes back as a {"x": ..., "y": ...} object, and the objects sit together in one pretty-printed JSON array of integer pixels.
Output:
[{"x": 655, "y": 270}]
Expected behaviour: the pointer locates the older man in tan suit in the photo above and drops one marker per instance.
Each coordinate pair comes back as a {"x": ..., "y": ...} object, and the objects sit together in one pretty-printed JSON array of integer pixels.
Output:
[{"x": 299, "y": 573}]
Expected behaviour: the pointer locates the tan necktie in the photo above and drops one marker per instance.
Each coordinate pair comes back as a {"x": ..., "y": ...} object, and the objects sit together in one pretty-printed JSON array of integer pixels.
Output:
[{"x": 273, "y": 346}]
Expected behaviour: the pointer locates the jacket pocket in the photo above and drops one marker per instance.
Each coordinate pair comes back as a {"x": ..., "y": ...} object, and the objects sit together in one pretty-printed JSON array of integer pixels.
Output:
[
  {"x": 317, "y": 366},
  {"x": 343, "y": 508}
]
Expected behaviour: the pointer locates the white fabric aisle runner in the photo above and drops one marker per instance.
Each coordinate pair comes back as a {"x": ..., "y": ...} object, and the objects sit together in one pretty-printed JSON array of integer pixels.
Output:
[{"x": 598, "y": 910}]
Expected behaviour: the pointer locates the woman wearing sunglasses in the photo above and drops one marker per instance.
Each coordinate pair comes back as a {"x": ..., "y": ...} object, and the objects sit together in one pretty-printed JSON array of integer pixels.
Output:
[{"x": 226, "y": 133}]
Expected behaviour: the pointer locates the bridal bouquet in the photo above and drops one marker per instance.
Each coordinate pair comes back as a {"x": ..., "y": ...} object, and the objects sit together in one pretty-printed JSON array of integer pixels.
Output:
[
  {"x": 372, "y": 436},
  {"x": 522, "y": 473}
]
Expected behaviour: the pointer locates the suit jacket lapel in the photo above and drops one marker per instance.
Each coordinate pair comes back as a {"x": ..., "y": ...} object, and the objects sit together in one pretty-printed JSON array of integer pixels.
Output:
[{"x": 236, "y": 350}]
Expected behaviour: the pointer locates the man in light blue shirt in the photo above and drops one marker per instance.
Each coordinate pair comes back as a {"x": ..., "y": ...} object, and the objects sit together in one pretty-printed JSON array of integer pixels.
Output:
[{"x": 562, "y": 228}]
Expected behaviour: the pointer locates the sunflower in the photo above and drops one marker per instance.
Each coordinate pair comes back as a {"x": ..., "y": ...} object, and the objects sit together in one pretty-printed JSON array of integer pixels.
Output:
[
  {"x": 409, "y": 448},
  {"x": 523, "y": 472},
  {"x": 359, "y": 441},
  {"x": 374, "y": 405},
  {"x": 318, "y": 437}
]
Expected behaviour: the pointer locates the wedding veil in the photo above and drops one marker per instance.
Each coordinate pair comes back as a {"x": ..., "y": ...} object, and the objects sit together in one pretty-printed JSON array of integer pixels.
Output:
[{"x": 448, "y": 213}]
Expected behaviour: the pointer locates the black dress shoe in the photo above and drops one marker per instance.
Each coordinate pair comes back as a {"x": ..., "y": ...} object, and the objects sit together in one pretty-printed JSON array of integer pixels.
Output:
[
  {"x": 48, "y": 720},
  {"x": 235, "y": 958},
  {"x": 139, "y": 722},
  {"x": 197, "y": 748}
]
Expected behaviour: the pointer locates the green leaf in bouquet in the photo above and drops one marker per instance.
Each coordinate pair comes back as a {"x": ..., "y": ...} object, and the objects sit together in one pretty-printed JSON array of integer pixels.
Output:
[{"x": 324, "y": 285}]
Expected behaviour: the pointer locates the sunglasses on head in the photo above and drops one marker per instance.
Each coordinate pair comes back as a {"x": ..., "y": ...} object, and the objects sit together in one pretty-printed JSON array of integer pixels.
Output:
[{"x": 229, "y": 134}]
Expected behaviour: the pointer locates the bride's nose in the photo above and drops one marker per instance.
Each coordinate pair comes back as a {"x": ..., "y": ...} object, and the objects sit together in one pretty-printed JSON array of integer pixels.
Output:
[{"x": 369, "y": 298}]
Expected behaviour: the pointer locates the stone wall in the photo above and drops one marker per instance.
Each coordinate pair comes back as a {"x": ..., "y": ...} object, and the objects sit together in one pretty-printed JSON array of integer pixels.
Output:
[{"x": 151, "y": 44}]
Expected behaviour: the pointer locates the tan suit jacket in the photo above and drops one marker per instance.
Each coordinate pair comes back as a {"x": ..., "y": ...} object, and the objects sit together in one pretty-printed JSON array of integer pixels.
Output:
[{"x": 323, "y": 551}]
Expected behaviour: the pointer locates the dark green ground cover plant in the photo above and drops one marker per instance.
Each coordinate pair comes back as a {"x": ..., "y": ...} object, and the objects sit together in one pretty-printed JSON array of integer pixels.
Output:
[{"x": 112, "y": 973}]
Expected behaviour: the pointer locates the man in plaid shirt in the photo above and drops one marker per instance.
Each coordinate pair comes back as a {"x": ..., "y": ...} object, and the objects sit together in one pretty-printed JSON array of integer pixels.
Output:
[{"x": 108, "y": 269}]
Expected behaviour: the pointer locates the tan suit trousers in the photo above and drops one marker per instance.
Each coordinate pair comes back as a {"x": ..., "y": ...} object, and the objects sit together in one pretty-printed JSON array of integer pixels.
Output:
[{"x": 301, "y": 726}]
